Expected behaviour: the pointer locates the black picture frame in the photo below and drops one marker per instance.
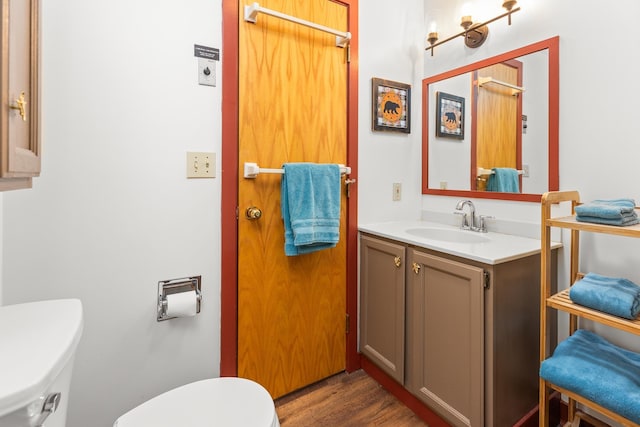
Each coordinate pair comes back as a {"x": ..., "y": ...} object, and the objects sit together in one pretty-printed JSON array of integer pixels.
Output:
[
  {"x": 391, "y": 106},
  {"x": 450, "y": 122}
]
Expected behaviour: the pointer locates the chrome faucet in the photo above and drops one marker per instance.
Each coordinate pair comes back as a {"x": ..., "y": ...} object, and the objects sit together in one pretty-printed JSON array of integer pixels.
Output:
[{"x": 470, "y": 222}]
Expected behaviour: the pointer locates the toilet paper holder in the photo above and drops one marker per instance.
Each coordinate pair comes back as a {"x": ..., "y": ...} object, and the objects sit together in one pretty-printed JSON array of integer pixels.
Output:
[{"x": 174, "y": 286}]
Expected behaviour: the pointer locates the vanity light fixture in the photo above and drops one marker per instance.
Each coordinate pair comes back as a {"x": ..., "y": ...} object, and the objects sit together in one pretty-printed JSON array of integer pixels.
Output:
[{"x": 474, "y": 34}]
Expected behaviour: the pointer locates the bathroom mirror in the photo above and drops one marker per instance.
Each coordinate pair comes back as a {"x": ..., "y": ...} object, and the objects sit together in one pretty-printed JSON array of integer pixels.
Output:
[{"x": 501, "y": 112}]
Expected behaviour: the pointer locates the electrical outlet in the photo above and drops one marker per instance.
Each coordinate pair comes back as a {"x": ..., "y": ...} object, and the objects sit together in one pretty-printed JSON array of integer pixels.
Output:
[
  {"x": 525, "y": 171},
  {"x": 201, "y": 165},
  {"x": 397, "y": 191}
]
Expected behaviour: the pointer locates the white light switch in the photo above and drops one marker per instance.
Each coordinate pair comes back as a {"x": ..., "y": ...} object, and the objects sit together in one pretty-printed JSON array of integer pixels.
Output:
[
  {"x": 201, "y": 165},
  {"x": 397, "y": 191}
]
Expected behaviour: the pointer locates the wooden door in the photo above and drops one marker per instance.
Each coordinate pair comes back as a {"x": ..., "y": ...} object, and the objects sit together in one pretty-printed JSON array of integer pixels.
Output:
[
  {"x": 292, "y": 108},
  {"x": 498, "y": 136}
]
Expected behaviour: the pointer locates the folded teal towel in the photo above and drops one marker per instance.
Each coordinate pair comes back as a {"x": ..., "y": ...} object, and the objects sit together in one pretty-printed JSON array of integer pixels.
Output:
[
  {"x": 610, "y": 209},
  {"x": 617, "y": 296},
  {"x": 504, "y": 180},
  {"x": 623, "y": 221},
  {"x": 589, "y": 365},
  {"x": 310, "y": 207},
  {"x": 619, "y": 212}
]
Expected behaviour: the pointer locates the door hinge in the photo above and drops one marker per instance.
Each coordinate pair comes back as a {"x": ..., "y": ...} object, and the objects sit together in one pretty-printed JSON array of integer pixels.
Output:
[
  {"x": 487, "y": 279},
  {"x": 237, "y": 212},
  {"x": 347, "y": 323}
]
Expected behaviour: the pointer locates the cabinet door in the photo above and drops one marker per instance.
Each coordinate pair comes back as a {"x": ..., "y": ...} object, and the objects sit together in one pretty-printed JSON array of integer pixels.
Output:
[
  {"x": 20, "y": 89},
  {"x": 382, "y": 302},
  {"x": 446, "y": 337}
]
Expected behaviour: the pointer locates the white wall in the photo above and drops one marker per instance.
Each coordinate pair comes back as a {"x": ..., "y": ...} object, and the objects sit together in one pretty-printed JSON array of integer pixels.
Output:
[
  {"x": 113, "y": 213},
  {"x": 589, "y": 141},
  {"x": 391, "y": 48}
]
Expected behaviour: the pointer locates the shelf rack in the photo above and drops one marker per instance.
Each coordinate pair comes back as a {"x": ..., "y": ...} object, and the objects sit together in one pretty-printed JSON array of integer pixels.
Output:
[{"x": 561, "y": 301}]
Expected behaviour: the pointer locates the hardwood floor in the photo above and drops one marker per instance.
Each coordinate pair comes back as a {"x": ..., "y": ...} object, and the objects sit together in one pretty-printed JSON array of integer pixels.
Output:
[{"x": 345, "y": 400}]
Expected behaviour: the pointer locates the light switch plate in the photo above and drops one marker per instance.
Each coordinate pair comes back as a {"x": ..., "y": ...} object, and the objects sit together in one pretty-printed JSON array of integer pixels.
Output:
[
  {"x": 397, "y": 191},
  {"x": 201, "y": 165}
]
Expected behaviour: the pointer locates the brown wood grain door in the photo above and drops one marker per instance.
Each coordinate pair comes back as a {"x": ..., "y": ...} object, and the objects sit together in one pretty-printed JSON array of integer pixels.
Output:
[
  {"x": 498, "y": 136},
  {"x": 292, "y": 108}
]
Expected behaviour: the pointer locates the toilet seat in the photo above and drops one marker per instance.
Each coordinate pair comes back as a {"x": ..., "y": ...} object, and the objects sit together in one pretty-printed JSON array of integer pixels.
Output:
[{"x": 226, "y": 401}]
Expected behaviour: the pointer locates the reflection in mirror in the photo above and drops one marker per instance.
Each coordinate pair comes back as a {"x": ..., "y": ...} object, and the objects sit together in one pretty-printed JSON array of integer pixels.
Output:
[{"x": 497, "y": 118}]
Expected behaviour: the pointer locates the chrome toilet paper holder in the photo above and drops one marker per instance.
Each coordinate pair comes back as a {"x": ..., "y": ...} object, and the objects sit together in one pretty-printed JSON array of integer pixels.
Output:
[{"x": 174, "y": 286}]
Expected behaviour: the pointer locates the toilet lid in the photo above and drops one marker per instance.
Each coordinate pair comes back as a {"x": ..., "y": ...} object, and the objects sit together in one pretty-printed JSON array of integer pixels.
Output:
[{"x": 227, "y": 401}]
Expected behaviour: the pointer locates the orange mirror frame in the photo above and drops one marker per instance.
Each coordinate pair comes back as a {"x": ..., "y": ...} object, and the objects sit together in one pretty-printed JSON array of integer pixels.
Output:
[{"x": 552, "y": 45}]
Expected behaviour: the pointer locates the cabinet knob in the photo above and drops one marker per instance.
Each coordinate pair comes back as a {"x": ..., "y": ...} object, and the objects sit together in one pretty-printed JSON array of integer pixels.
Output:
[
  {"x": 20, "y": 105},
  {"x": 398, "y": 261},
  {"x": 416, "y": 267}
]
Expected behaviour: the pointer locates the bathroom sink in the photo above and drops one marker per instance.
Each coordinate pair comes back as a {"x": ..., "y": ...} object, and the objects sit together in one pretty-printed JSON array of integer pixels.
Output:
[{"x": 446, "y": 235}]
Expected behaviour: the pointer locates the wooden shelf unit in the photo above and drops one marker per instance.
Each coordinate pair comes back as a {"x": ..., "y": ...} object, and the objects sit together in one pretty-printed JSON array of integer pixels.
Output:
[{"x": 561, "y": 301}]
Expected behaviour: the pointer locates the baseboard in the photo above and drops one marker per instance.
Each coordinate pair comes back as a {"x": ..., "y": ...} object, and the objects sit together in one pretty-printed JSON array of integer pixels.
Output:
[{"x": 558, "y": 411}]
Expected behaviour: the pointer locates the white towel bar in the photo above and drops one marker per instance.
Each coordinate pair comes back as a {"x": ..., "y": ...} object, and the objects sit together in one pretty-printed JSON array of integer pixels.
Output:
[
  {"x": 251, "y": 15},
  {"x": 252, "y": 170},
  {"x": 514, "y": 89},
  {"x": 483, "y": 171}
]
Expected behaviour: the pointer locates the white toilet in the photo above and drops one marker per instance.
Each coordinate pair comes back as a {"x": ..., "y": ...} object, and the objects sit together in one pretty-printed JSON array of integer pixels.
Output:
[
  {"x": 227, "y": 401},
  {"x": 38, "y": 341}
]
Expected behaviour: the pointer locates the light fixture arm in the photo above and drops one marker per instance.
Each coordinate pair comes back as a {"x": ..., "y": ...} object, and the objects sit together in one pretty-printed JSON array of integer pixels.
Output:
[{"x": 474, "y": 26}]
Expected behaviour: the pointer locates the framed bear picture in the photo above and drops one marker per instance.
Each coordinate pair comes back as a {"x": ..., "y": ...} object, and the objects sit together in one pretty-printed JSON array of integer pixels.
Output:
[
  {"x": 391, "y": 106},
  {"x": 449, "y": 116}
]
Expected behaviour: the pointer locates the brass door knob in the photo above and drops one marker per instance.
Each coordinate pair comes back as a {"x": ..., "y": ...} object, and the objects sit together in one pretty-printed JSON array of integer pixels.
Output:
[
  {"x": 253, "y": 213},
  {"x": 397, "y": 261}
]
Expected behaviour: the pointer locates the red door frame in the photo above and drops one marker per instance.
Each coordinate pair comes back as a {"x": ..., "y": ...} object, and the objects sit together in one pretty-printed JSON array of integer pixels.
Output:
[{"x": 229, "y": 199}]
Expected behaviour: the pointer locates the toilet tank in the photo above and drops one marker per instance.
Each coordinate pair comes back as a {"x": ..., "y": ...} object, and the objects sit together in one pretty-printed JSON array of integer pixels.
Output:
[{"x": 38, "y": 341}]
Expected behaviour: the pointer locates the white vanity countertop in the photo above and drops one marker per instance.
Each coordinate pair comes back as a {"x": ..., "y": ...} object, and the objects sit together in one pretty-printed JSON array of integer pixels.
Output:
[{"x": 497, "y": 248}]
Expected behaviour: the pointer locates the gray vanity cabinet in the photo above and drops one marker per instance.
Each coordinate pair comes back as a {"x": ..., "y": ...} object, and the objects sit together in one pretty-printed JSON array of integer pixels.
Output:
[
  {"x": 382, "y": 304},
  {"x": 467, "y": 332}
]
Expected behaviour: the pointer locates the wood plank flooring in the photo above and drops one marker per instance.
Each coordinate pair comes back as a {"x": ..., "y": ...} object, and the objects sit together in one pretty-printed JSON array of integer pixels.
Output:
[{"x": 345, "y": 400}]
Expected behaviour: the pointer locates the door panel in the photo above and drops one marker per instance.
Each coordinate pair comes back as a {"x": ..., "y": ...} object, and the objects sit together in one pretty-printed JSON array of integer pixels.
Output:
[
  {"x": 447, "y": 327},
  {"x": 382, "y": 307},
  {"x": 497, "y": 142},
  {"x": 292, "y": 108}
]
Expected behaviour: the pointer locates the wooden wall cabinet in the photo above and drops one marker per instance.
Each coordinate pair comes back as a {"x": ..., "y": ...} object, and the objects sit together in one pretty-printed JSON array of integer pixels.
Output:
[
  {"x": 20, "y": 93},
  {"x": 471, "y": 330}
]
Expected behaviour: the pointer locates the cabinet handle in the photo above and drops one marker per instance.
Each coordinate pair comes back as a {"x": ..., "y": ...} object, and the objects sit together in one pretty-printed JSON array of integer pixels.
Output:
[
  {"x": 416, "y": 267},
  {"x": 398, "y": 261},
  {"x": 20, "y": 105}
]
